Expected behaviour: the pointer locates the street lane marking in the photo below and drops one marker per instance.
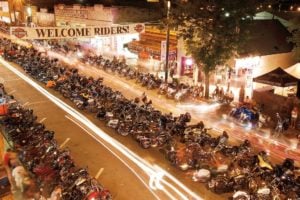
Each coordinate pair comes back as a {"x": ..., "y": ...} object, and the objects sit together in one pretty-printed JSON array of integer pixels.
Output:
[
  {"x": 11, "y": 92},
  {"x": 115, "y": 154},
  {"x": 99, "y": 173},
  {"x": 64, "y": 143},
  {"x": 41, "y": 121},
  {"x": 36, "y": 102},
  {"x": 25, "y": 104}
]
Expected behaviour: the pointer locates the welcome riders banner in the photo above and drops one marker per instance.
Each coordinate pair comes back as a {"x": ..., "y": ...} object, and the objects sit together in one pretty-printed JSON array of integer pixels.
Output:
[{"x": 74, "y": 32}]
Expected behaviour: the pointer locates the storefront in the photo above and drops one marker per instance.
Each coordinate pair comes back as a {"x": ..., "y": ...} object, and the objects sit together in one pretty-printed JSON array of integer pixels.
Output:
[
  {"x": 43, "y": 18},
  {"x": 114, "y": 45},
  {"x": 97, "y": 15},
  {"x": 187, "y": 66},
  {"x": 244, "y": 69},
  {"x": 151, "y": 49}
]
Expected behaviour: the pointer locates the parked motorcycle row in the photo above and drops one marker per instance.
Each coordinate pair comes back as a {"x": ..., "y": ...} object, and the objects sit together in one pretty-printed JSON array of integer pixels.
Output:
[
  {"x": 49, "y": 165},
  {"x": 177, "y": 91},
  {"x": 224, "y": 168}
]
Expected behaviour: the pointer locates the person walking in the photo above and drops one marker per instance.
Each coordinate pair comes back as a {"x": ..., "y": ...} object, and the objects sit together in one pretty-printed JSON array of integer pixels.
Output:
[
  {"x": 279, "y": 125},
  {"x": 294, "y": 116},
  {"x": 242, "y": 94}
]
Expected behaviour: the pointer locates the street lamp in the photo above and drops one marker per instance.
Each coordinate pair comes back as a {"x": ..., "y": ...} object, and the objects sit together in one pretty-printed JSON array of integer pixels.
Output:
[
  {"x": 167, "y": 42},
  {"x": 29, "y": 11}
]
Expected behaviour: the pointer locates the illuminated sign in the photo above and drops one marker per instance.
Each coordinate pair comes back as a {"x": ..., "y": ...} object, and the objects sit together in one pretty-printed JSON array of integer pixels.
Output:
[
  {"x": 248, "y": 62},
  {"x": 75, "y": 32}
]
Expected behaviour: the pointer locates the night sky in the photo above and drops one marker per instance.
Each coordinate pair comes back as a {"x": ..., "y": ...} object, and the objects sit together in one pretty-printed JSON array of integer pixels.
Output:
[
  {"x": 138, "y": 3},
  {"x": 50, "y": 3}
]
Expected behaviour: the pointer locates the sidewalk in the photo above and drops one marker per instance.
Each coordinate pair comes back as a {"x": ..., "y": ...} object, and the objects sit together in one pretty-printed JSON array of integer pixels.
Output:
[
  {"x": 9, "y": 195},
  {"x": 16, "y": 193}
]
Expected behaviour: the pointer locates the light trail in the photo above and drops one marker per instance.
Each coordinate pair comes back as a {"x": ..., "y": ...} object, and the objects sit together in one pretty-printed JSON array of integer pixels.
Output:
[
  {"x": 202, "y": 108},
  {"x": 116, "y": 155},
  {"x": 149, "y": 169}
]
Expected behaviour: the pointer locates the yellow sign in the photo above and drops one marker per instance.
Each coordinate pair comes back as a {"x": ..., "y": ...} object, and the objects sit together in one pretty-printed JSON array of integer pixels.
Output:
[{"x": 74, "y": 32}]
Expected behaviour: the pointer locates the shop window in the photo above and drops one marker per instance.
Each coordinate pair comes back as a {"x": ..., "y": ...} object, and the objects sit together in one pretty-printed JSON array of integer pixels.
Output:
[{"x": 186, "y": 67}]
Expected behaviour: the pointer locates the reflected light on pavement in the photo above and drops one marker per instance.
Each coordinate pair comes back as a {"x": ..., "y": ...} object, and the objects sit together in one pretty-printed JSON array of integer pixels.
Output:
[
  {"x": 200, "y": 108},
  {"x": 155, "y": 173},
  {"x": 294, "y": 144}
]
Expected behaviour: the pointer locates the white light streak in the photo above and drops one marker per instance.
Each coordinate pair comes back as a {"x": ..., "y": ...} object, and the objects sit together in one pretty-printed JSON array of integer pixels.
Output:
[{"x": 200, "y": 108}]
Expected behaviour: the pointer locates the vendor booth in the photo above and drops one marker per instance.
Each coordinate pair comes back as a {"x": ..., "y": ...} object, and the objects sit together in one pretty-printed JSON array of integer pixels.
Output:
[
  {"x": 277, "y": 77},
  {"x": 295, "y": 71},
  {"x": 275, "y": 102}
]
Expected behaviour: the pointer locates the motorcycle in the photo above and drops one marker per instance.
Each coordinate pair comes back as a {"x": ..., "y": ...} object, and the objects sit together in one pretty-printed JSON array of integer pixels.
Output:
[{"x": 181, "y": 95}]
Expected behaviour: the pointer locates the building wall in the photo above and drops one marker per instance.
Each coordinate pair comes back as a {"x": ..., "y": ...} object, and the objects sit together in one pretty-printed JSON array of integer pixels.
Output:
[
  {"x": 77, "y": 15},
  {"x": 45, "y": 19},
  {"x": 97, "y": 15},
  {"x": 266, "y": 15},
  {"x": 248, "y": 68},
  {"x": 271, "y": 62}
]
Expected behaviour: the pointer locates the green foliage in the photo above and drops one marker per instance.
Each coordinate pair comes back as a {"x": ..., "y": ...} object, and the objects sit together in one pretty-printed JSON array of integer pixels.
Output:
[
  {"x": 295, "y": 39},
  {"x": 211, "y": 28}
]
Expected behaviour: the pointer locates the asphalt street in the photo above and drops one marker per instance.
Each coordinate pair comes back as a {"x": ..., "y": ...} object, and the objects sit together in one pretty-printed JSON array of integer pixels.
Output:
[
  {"x": 86, "y": 151},
  {"x": 124, "y": 178}
]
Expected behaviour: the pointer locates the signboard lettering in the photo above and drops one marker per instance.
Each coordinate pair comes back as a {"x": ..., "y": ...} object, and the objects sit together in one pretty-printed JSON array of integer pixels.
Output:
[
  {"x": 163, "y": 48},
  {"x": 74, "y": 32}
]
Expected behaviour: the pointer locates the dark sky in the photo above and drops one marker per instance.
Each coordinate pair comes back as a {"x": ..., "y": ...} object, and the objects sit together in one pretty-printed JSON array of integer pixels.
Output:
[
  {"x": 139, "y": 3},
  {"x": 50, "y": 3}
]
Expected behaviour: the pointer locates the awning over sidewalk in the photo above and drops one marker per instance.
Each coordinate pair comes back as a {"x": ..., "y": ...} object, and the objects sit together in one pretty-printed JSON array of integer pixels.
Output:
[
  {"x": 152, "y": 44},
  {"x": 277, "y": 77},
  {"x": 150, "y": 49}
]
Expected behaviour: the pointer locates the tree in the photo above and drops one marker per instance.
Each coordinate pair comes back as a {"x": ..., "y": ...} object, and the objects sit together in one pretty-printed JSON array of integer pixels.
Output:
[
  {"x": 295, "y": 39},
  {"x": 211, "y": 30}
]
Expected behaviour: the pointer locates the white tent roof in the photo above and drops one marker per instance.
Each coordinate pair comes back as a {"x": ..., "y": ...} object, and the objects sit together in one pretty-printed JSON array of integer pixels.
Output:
[{"x": 294, "y": 70}]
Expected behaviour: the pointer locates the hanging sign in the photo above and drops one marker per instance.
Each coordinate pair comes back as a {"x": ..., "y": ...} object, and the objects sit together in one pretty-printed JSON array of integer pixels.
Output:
[
  {"x": 163, "y": 48},
  {"x": 74, "y": 32}
]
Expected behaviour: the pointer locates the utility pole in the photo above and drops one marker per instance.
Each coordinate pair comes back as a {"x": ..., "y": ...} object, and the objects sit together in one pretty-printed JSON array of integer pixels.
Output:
[
  {"x": 15, "y": 16},
  {"x": 167, "y": 42}
]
